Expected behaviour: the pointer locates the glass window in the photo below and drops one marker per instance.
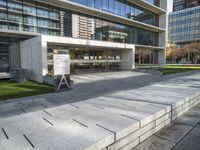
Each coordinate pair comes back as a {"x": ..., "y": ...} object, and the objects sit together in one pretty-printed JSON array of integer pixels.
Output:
[
  {"x": 29, "y": 9},
  {"x": 3, "y": 3},
  {"x": 125, "y": 9}
]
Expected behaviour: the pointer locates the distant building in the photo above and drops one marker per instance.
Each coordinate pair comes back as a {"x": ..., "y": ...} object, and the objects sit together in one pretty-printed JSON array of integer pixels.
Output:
[
  {"x": 184, "y": 4},
  {"x": 184, "y": 22}
]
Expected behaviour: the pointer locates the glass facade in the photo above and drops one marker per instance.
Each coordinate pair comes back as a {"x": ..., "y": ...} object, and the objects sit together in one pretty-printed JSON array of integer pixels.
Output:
[
  {"x": 184, "y": 25},
  {"x": 184, "y": 4},
  {"x": 29, "y": 16},
  {"x": 154, "y": 2},
  {"x": 125, "y": 9},
  {"x": 32, "y": 16},
  {"x": 85, "y": 26}
]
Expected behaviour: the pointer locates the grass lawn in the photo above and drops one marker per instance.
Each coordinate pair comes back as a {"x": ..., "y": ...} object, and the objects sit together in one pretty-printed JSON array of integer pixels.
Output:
[
  {"x": 171, "y": 69},
  {"x": 9, "y": 90}
]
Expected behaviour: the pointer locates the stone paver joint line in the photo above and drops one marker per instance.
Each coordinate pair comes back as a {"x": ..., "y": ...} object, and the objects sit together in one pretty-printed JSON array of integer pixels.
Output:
[
  {"x": 101, "y": 100},
  {"x": 29, "y": 141},
  {"x": 115, "y": 136},
  {"x": 21, "y": 103},
  {"x": 129, "y": 106},
  {"x": 4, "y": 132},
  {"x": 130, "y": 117},
  {"x": 47, "y": 113},
  {"x": 74, "y": 106},
  {"x": 44, "y": 105},
  {"x": 138, "y": 100},
  {"x": 199, "y": 123},
  {"x": 48, "y": 121},
  {"x": 80, "y": 123},
  {"x": 98, "y": 106},
  {"x": 23, "y": 110},
  {"x": 155, "y": 105}
]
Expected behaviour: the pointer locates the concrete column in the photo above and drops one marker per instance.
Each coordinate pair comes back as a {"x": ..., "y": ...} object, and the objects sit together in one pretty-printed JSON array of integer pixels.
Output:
[
  {"x": 44, "y": 58},
  {"x": 161, "y": 57},
  {"x": 163, "y": 23},
  {"x": 128, "y": 59},
  {"x": 31, "y": 58}
]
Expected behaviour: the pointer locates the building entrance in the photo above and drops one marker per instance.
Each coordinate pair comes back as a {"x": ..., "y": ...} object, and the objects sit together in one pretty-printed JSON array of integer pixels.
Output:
[{"x": 84, "y": 60}]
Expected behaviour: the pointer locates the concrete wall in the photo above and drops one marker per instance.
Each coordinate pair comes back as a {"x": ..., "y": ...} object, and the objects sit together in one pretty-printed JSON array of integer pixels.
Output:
[{"x": 32, "y": 58}]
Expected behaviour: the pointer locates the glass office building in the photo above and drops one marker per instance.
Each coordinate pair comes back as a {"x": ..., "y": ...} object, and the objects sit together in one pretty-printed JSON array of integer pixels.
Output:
[
  {"x": 113, "y": 21},
  {"x": 184, "y": 25},
  {"x": 184, "y": 4}
]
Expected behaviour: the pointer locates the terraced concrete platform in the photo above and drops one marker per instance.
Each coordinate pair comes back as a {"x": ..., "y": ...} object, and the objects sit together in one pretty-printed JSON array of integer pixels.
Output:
[{"x": 116, "y": 119}]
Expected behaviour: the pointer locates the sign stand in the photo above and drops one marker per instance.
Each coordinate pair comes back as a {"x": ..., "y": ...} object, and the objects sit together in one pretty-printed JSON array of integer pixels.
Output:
[
  {"x": 63, "y": 81},
  {"x": 61, "y": 66}
]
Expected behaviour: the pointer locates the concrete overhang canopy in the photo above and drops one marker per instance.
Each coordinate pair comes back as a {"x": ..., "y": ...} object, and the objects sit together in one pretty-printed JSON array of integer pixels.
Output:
[
  {"x": 150, "y": 47},
  {"x": 148, "y": 6},
  {"x": 75, "y": 42},
  {"x": 87, "y": 10}
]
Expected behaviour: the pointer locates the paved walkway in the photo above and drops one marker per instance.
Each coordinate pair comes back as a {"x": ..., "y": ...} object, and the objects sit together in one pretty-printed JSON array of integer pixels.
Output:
[
  {"x": 86, "y": 86},
  {"x": 181, "y": 134},
  {"x": 109, "y": 111}
]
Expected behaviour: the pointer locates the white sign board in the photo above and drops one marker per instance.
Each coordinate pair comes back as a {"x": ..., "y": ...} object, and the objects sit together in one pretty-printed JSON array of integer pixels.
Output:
[{"x": 61, "y": 64}]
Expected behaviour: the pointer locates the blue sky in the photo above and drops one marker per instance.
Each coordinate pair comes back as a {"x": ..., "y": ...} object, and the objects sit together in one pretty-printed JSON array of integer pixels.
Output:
[{"x": 170, "y": 4}]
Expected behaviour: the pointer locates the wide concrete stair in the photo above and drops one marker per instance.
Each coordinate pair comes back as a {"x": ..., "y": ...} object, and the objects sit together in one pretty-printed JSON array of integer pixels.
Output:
[{"x": 116, "y": 121}]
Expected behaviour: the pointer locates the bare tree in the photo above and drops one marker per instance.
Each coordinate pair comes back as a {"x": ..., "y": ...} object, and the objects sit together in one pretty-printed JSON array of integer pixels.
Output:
[{"x": 192, "y": 50}]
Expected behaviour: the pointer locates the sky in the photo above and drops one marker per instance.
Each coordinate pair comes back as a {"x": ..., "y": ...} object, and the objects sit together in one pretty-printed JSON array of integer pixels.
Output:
[{"x": 170, "y": 5}]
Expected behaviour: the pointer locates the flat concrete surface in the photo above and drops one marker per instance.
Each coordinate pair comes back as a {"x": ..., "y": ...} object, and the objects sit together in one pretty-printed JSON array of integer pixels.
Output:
[
  {"x": 182, "y": 134},
  {"x": 136, "y": 85},
  {"x": 99, "y": 110}
]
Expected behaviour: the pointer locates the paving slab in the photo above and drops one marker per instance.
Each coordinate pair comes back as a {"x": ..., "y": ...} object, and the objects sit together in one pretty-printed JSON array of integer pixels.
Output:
[
  {"x": 118, "y": 124},
  {"x": 144, "y": 97},
  {"x": 72, "y": 135},
  {"x": 190, "y": 118},
  {"x": 175, "y": 131},
  {"x": 190, "y": 142},
  {"x": 23, "y": 127},
  {"x": 155, "y": 143},
  {"x": 196, "y": 131},
  {"x": 144, "y": 115},
  {"x": 17, "y": 143}
]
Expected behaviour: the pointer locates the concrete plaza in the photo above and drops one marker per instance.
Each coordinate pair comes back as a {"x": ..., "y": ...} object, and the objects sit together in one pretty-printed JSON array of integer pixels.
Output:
[{"x": 115, "y": 110}]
